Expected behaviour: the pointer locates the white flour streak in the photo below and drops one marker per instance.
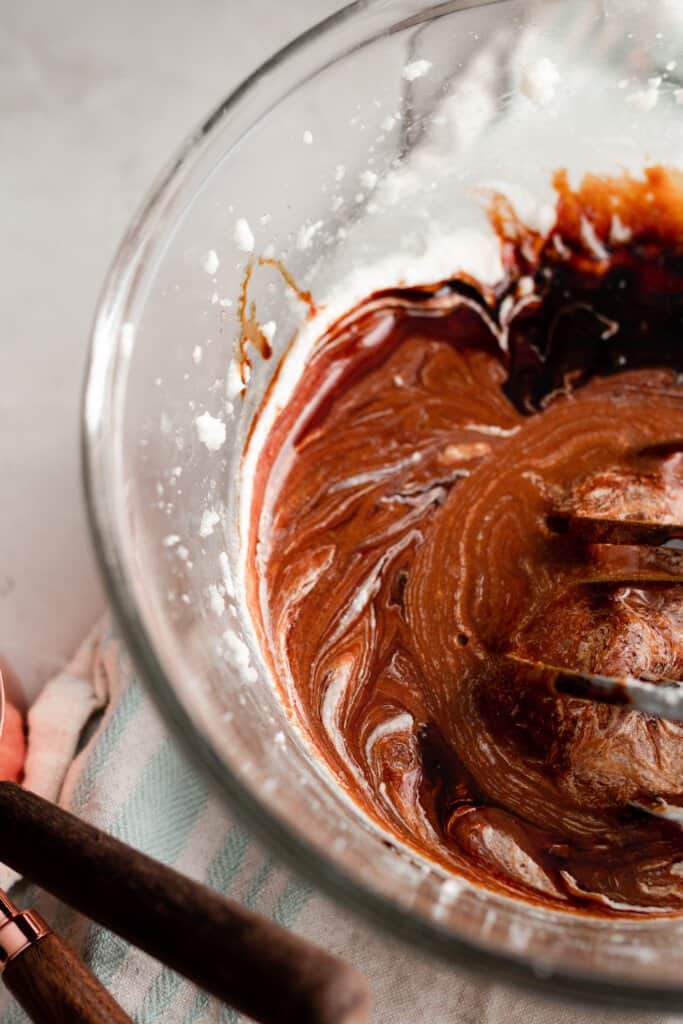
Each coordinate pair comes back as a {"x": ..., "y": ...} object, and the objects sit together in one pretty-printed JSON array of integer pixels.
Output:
[
  {"x": 591, "y": 240},
  {"x": 210, "y": 518},
  {"x": 369, "y": 588},
  {"x": 539, "y": 81},
  {"x": 243, "y": 235},
  {"x": 416, "y": 69},
  {"x": 211, "y": 431},
  {"x": 491, "y": 430},
  {"x": 399, "y": 723},
  {"x": 332, "y": 703},
  {"x": 211, "y": 262}
]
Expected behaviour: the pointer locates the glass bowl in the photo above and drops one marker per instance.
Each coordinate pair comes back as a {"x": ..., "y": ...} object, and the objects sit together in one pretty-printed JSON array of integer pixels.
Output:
[{"x": 356, "y": 155}]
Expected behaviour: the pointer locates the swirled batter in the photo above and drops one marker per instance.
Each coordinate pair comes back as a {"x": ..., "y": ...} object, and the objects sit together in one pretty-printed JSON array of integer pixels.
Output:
[{"x": 401, "y": 553}]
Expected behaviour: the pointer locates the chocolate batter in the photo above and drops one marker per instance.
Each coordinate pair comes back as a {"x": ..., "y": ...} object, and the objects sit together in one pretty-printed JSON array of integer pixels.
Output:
[{"x": 402, "y": 551}]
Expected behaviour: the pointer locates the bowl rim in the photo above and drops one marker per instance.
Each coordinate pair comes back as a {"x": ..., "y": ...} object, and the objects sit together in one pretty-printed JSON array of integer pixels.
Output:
[{"x": 287, "y": 845}]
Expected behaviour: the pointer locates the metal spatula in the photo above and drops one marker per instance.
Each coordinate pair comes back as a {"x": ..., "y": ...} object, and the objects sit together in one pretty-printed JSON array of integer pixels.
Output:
[{"x": 655, "y": 564}]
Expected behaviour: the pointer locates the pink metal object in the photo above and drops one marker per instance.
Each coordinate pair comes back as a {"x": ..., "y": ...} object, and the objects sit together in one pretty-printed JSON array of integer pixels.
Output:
[
  {"x": 18, "y": 932},
  {"x": 18, "y": 929}
]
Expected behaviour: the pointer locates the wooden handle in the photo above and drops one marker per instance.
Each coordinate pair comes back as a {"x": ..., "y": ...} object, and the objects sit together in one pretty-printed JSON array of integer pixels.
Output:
[
  {"x": 54, "y": 987},
  {"x": 243, "y": 959}
]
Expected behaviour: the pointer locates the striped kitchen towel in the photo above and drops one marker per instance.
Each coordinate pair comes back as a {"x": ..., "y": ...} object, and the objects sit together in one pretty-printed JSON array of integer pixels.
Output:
[{"x": 130, "y": 778}]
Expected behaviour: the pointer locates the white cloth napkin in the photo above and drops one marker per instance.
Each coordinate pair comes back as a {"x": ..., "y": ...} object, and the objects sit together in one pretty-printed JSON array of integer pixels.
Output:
[{"x": 129, "y": 778}]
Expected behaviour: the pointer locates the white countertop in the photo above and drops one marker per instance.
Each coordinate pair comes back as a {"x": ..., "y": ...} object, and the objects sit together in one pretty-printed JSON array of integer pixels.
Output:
[{"x": 94, "y": 98}]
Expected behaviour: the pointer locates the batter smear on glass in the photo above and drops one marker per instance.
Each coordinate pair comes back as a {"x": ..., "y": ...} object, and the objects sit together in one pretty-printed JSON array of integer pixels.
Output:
[{"x": 401, "y": 551}]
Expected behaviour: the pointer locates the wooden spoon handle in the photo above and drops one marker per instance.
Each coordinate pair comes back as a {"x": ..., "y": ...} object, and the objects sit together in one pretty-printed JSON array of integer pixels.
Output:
[
  {"x": 54, "y": 987},
  {"x": 246, "y": 960}
]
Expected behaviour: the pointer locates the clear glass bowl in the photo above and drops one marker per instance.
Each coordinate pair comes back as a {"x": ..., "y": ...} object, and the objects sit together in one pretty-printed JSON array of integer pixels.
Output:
[{"x": 380, "y": 124}]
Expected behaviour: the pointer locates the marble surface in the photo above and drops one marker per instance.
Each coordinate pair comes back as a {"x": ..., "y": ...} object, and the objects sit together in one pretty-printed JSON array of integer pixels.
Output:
[{"x": 94, "y": 98}]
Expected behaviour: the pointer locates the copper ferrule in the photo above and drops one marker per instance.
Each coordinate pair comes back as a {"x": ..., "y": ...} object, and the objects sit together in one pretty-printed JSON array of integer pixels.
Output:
[
  {"x": 7, "y": 909},
  {"x": 18, "y": 930}
]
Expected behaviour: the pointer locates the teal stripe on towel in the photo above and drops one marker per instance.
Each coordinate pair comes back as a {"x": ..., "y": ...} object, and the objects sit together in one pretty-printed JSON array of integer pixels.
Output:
[
  {"x": 159, "y": 815},
  {"x": 258, "y": 884},
  {"x": 99, "y": 757},
  {"x": 228, "y": 860},
  {"x": 230, "y": 1016},
  {"x": 158, "y": 819},
  {"x": 292, "y": 901},
  {"x": 14, "y": 1015},
  {"x": 199, "y": 1009}
]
